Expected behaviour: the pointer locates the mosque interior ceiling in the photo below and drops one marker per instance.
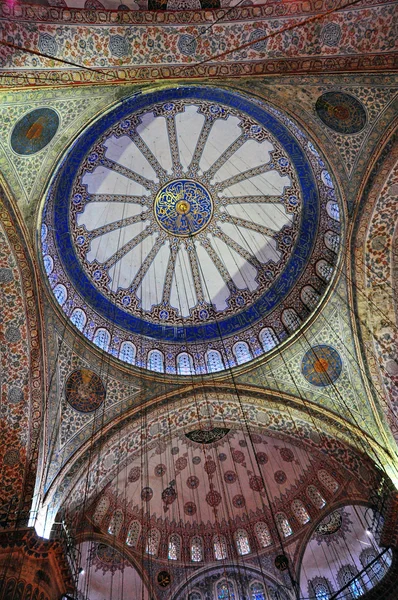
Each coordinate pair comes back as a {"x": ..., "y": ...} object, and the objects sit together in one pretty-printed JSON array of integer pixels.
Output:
[{"x": 198, "y": 253}]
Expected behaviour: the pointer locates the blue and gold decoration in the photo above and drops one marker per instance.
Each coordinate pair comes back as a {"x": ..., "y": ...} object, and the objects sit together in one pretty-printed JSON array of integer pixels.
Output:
[
  {"x": 183, "y": 207},
  {"x": 84, "y": 391},
  {"x": 321, "y": 365},
  {"x": 34, "y": 131},
  {"x": 341, "y": 112}
]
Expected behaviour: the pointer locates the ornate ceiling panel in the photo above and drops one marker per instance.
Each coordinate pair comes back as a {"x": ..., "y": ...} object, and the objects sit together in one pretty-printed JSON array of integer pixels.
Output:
[
  {"x": 286, "y": 37},
  {"x": 21, "y": 367}
]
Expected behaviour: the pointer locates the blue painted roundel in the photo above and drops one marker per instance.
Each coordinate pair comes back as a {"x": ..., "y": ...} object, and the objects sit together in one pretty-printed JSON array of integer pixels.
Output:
[{"x": 185, "y": 215}]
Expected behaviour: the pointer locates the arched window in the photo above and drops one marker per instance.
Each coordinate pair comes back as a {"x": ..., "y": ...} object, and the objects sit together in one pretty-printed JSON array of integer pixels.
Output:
[
  {"x": 346, "y": 577},
  {"x": 214, "y": 361},
  {"x": 48, "y": 264},
  {"x": 333, "y": 210},
  {"x": 377, "y": 569},
  {"x": 316, "y": 497},
  {"x": 242, "y": 542},
  {"x": 78, "y": 318},
  {"x": 152, "y": 542},
  {"x": 283, "y": 524},
  {"x": 268, "y": 339},
  {"x": 310, "y": 297},
  {"x": 100, "y": 510},
  {"x": 185, "y": 364},
  {"x": 116, "y": 523},
  {"x": 241, "y": 352},
  {"x": 60, "y": 294},
  {"x": 290, "y": 319},
  {"x": 195, "y": 596},
  {"x": 102, "y": 338},
  {"x": 174, "y": 547},
  {"x": 225, "y": 590},
  {"x": 155, "y": 361},
  {"x": 327, "y": 481},
  {"x": 332, "y": 241},
  {"x": 196, "y": 549},
  {"x": 320, "y": 589},
  {"x": 324, "y": 270},
  {"x": 257, "y": 591},
  {"x": 300, "y": 512},
  {"x": 133, "y": 534},
  {"x": 263, "y": 535},
  {"x": 127, "y": 352},
  {"x": 220, "y": 547}
]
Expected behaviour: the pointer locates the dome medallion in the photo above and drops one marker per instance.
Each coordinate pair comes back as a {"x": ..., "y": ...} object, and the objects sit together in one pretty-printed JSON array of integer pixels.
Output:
[
  {"x": 183, "y": 207},
  {"x": 190, "y": 217}
]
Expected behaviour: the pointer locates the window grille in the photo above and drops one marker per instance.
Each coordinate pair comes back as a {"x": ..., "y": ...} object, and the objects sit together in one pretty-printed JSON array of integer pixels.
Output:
[
  {"x": 268, "y": 339},
  {"x": 79, "y": 318}
]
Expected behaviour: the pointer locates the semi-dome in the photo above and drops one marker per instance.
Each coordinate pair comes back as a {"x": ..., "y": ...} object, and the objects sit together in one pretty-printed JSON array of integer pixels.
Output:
[{"x": 191, "y": 217}]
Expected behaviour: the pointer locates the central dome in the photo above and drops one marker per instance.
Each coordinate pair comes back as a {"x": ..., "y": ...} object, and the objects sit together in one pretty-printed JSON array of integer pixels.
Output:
[{"x": 186, "y": 216}]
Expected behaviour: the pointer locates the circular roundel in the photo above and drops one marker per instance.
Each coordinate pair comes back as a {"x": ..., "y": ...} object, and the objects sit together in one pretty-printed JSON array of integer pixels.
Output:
[
  {"x": 321, "y": 365},
  {"x": 34, "y": 131},
  {"x": 183, "y": 207},
  {"x": 187, "y": 216},
  {"x": 341, "y": 112},
  {"x": 281, "y": 562},
  {"x": 84, "y": 390},
  {"x": 164, "y": 578}
]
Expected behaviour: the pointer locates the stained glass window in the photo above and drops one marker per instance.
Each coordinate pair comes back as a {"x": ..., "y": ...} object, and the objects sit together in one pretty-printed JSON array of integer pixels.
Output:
[
  {"x": 300, "y": 512},
  {"x": 225, "y": 590},
  {"x": 263, "y": 535},
  {"x": 283, "y": 524},
  {"x": 324, "y": 270},
  {"x": 155, "y": 361},
  {"x": 127, "y": 352},
  {"x": 220, "y": 547},
  {"x": 214, "y": 361},
  {"x": 196, "y": 549},
  {"x": 242, "y": 352},
  {"x": 102, "y": 338},
  {"x": 79, "y": 318},
  {"x": 377, "y": 570},
  {"x": 116, "y": 523},
  {"x": 268, "y": 339},
  {"x": 185, "y": 364},
  {"x": 60, "y": 294},
  {"x": 152, "y": 542},
  {"x": 309, "y": 296},
  {"x": 133, "y": 534},
  {"x": 328, "y": 481},
  {"x": 242, "y": 542},
  {"x": 48, "y": 264},
  {"x": 332, "y": 241},
  {"x": 316, "y": 497},
  {"x": 101, "y": 510},
  {"x": 174, "y": 547},
  {"x": 333, "y": 210},
  {"x": 321, "y": 592},
  {"x": 346, "y": 578},
  {"x": 257, "y": 591},
  {"x": 290, "y": 319}
]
